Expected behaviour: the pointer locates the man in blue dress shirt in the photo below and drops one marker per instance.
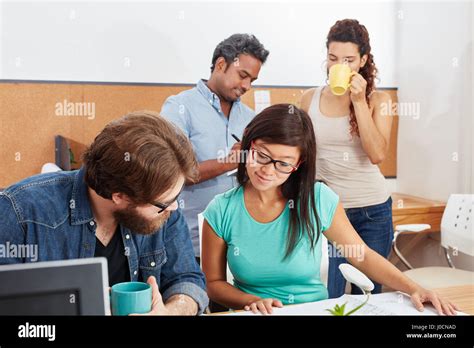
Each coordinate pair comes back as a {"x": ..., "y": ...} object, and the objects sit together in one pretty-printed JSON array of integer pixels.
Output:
[{"x": 209, "y": 114}]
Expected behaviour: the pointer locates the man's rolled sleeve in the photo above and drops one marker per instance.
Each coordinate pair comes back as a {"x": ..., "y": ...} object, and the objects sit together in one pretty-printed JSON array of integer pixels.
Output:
[
  {"x": 190, "y": 289},
  {"x": 181, "y": 274}
]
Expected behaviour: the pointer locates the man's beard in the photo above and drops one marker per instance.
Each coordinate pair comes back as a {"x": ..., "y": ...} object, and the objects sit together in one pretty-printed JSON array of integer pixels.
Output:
[{"x": 131, "y": 219}]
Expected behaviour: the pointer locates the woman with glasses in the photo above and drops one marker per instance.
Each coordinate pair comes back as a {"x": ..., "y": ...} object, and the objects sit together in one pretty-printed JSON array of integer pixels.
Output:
[{"x": 268, "y": 228}]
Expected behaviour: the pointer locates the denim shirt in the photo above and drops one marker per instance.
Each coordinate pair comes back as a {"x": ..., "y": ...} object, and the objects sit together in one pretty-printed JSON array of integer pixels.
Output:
[{"x": 52, "y": 214}]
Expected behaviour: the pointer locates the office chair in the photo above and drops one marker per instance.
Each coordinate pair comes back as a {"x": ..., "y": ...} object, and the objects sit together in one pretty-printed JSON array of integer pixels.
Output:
[{"x": 456, "y": 234}]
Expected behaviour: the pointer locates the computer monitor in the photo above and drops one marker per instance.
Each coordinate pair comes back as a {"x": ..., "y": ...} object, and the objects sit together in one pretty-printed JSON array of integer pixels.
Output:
[
  {"x": 67, "y": 287},
  {"x": 62, "y": 152}
]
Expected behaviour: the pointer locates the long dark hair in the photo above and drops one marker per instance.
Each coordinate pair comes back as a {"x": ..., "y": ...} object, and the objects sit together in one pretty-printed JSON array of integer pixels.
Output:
[
  {"x": 286, "y": 124},
  {"x": 350, "y": 30}
]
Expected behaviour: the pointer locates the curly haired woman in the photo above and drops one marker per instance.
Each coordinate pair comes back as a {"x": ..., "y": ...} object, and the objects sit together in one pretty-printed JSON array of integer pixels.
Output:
[{"x": 352, "y": 136}]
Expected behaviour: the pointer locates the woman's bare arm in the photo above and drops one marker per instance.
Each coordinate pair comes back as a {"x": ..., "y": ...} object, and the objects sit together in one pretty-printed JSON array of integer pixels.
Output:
[{"x": 214, "y": 265}]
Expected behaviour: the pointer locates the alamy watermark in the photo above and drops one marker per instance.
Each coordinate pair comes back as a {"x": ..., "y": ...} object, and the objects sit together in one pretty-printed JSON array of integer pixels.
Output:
[
  {"x": 355, "y": 251},
  {"x": 22, "y": 251},
  {"x": 224, "y": 156},
  {"x": 402, "y": 109},
  {"x": 28, "y": 330},
  {"x": 81, "y": 109}
]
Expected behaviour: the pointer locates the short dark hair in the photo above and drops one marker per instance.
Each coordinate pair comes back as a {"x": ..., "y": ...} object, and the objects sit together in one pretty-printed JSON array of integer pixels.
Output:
[
  {"x": 141, "y": 155},
  {"x": 238, "y": 44}
]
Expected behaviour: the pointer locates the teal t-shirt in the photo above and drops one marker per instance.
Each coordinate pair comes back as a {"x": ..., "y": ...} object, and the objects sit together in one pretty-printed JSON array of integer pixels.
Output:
[{"x": 255, "y": 250}]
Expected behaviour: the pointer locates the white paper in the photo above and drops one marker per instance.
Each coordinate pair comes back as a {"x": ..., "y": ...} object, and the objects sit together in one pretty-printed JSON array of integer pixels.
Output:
[
  {"x": 390, "y": 303},
  {"x": 262, "y": 100}
]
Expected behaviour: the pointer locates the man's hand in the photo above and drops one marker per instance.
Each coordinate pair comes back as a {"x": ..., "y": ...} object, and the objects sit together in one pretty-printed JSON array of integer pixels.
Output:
[
  {"x": 157, "y": 305},
  {"x": 214, "y": 167},
  {"x": 234, "y": 154},
  {"x": 178, "y": 304}
]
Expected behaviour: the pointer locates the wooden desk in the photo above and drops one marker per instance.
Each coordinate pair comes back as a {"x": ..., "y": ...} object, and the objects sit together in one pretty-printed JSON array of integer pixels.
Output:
[
  {"x": 461, "y": 295},
  {"x": 408, "y": 209}
]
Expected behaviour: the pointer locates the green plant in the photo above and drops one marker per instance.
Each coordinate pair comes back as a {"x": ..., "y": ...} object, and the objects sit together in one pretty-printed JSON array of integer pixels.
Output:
[{"x": 339, "y": 310}]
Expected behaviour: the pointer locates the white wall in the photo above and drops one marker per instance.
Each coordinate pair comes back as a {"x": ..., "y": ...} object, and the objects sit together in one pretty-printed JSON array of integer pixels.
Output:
[
  {"x": 172, "y": 42},
  {"x": 434, "y": 66}
]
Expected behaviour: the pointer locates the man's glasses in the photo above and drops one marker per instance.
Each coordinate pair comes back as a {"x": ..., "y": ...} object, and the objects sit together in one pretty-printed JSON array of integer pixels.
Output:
[
  {"x": 164, "y": 206},
  {"x": 262, "y": 158}
]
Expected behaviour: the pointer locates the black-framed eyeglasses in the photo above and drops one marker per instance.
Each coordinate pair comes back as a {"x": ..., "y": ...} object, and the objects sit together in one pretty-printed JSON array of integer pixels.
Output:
[
  {"x": 280, "y": 166},
  {"x": 164, "y": 206}
]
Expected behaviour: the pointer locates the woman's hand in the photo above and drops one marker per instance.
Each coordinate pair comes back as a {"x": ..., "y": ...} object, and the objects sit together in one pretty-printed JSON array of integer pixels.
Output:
[
  {"x": 358, "y": 87},
  {"x": 442, "y": 305},
  {"x": 265, "y": 306}
]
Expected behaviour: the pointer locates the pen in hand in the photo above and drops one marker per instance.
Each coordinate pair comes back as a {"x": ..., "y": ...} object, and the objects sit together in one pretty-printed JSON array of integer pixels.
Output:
[{"x": 236, "y": 146}]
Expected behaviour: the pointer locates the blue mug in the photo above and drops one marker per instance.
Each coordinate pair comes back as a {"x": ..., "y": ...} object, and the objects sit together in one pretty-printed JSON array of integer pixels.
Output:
[{"x": 131, "y": 297}]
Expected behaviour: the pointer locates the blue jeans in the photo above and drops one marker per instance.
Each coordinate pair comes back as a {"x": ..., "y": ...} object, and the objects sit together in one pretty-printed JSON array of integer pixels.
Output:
[{"x": 374, "y": 226}]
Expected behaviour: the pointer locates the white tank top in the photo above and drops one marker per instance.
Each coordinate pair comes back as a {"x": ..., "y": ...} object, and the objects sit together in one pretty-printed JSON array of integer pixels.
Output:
[{"x": 342, "y": 163}]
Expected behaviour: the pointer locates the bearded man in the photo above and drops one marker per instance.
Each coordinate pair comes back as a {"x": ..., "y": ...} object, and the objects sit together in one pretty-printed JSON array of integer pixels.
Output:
[{"x": 121, "y": 205}]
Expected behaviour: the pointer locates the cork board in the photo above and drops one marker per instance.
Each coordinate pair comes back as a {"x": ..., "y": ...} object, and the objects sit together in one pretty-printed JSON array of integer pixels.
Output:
[{"x": 33, "y": 113}]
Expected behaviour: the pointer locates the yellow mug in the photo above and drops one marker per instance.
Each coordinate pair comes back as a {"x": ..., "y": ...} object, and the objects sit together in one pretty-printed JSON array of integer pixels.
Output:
[{"x": 339, "y": 78}]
